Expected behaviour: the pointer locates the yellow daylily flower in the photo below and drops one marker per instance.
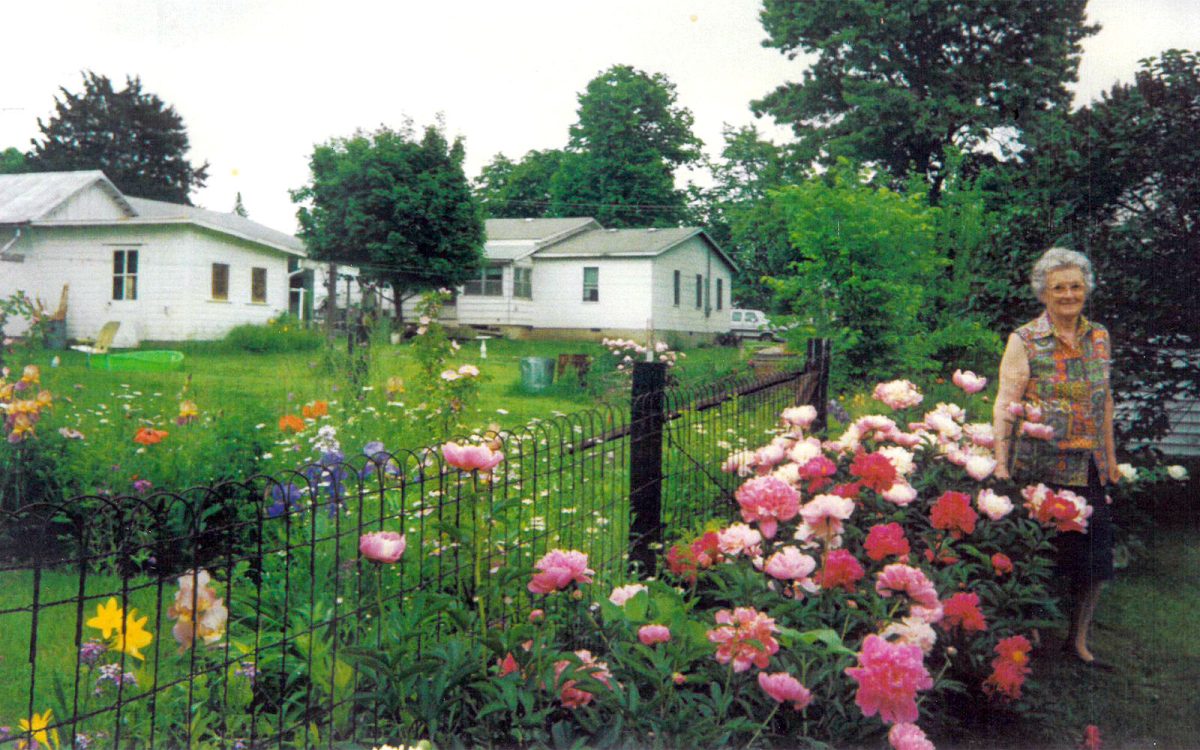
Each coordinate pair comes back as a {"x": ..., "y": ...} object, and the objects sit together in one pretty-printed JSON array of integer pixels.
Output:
[
  {"x": 37, "y": 725},
  {"x": 134, "y": 636},
  {"x": 108, "y": 618}
]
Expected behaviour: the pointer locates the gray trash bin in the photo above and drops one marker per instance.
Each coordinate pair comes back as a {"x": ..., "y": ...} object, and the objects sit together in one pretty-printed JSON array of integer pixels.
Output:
[{"x": 536, "y": 373}]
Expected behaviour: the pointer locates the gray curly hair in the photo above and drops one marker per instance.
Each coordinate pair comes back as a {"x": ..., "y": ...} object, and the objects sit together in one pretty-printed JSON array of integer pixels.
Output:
[{"x": 1056, "y": 258}]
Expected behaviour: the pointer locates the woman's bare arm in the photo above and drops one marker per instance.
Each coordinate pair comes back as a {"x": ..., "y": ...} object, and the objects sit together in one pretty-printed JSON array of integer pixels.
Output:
[{"x": 1014, "y": 376}]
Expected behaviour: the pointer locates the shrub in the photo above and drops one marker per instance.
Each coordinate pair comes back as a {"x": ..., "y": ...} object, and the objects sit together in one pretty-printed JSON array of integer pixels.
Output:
[{"x": 282, "y": 334}]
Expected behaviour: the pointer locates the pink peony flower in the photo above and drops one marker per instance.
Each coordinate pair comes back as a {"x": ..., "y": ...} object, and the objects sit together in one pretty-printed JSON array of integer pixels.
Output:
[
  {"x": 622, "y": 594},
  {"x": 652, "y": 634},
  {"x": 739, "y": 539},
  {"x": 981, "y": 434},
  {"x": 570, "y": 695},
  {"x": 889, "y": 676},
  {"x": 980, "y": 468},
  {"x": 508, "y": 665},
  {"x": 559, "y": 569},
  {"x": 969, "y": 381},
  {"x": 382, "y": 546},
  {"x": 766, "y": 457},
  {"x": 471, "y": 457},
  {"x": 1064, "y": 510},
  {"x": 1001, "y": 564},
  {"x": 874, "y": 470},
  {"x": 1037, "y": 430},
  {"x": 907, "y": 580},
  {"x": 741, "y": 463},
  {"x": 898, "y": 394},
  {"x": 962, "y": 611},
  {"x": 537, "y": 615},
  {"x": 912, "y": 630},
  {"x": 803, "y": 451},
  {"x": 885, "y": 540},
  {"x": 901, "y": 493},
  {"x": 824, "y": 514},
  {"x": 1015, "y": 409},
  {"x": 841, "y": 569},
  {"x": 783, "y": 688},
  {"x": 1034, "y": 412},
  {"x": 767, "y": 501},
  {"x": 992, "y": 505},
  {"x": 469, "y": 371},
  {"x": 744, "y": 637},
  {"x": 906, "y": 736},
  {"x": 790, "y": 564},
  {"x": 800, "y": 416},
  {"x": 902, "y": 460}
]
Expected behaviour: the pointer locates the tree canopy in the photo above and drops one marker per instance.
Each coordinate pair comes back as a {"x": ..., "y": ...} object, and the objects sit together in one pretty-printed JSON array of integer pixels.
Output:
[
  {"x": 896, "y": 83},
  {"x": 139, "y": 141},
  {"x": 516, "y": 190},
  {"x": 395, "y": 205},
  {"x": 13, "y": 161}
]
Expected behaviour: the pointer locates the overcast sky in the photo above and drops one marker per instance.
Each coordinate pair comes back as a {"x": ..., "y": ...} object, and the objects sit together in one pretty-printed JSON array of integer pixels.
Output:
[{"x": 259, "y": 82}]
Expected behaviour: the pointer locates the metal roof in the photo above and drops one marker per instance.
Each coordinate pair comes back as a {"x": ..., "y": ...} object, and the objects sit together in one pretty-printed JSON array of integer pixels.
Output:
[
  {"x": 535, "y": 230},
  {"x": 156, "y": 212},
  {"x": 25, "y": 198},
  {"x": 627, "y": 243}
]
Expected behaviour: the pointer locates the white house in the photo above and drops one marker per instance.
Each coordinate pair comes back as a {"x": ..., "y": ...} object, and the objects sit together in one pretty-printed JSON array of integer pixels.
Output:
[
  {"x": 166, "y": 272},
  {"x": 571, "y": 277}
]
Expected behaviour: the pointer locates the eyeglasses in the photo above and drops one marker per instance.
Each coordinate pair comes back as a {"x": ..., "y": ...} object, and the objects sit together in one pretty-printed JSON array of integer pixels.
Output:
[{"x": 1065, "y": 288}]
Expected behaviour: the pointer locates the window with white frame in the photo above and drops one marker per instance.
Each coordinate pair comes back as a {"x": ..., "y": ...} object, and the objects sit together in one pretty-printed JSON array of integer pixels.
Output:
[
  {"x": 591, "y": 284},
  {"x": 490, "y": 283},
  {"x": 258, "y": 285},
  {"x": 220, "y": 281},
  {"x": 523, "y": 283},
  {"x": 125, "y": 271}
]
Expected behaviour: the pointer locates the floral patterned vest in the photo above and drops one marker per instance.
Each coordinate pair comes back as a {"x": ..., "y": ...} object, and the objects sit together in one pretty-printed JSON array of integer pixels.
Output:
[{"x": 1071, "y": 385}]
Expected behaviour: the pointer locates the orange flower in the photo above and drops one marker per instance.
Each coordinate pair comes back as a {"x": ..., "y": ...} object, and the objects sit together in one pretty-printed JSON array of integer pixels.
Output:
[
  {"x": 291, "y": 422},
  {"x": 314, "y": 409},
  {"x": 149, "y": 436}
]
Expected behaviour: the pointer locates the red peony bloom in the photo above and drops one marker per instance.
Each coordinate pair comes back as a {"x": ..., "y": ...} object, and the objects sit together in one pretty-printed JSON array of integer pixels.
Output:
[
  {"x": 681, "y": 562},
  {"x": 849, "y": 490},
  {"x": 884, "y": 540},
  {"x": 962, "y": 611},
  {"x": 1009, "y": 667},
  {"x": 841, "y": 569},
  {"x": 1001, "y": 564},
  {"x": 875, "y": 471},
  {"x": 1091, "y": 738},
  {"x": 953, "y": 512}
]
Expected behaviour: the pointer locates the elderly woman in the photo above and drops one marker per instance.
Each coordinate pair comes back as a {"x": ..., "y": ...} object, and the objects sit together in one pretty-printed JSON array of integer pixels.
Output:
[{"x": 1059, "y": 363}]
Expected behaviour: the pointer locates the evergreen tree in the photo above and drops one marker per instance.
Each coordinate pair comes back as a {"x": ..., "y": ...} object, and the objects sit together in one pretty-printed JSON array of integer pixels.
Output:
[
  {"x": 138, "y": 140},
  {"x": 238, "y": 207}
]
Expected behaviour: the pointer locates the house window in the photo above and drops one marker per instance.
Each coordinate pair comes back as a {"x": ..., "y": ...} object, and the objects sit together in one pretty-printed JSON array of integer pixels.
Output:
[
  {"x": 125, "y": 268},
  {"x": 699, "y": 291},
  {"x": 220, "y": 281},
  {"x": 591, "y": 284},
  {"x": 678, "y": 283},
  {"x": 720, "y": 294},
  {"x": 258, "y": 285},
  {"x": 489, "y": 284},
  {"x": 523, "y": 283}
]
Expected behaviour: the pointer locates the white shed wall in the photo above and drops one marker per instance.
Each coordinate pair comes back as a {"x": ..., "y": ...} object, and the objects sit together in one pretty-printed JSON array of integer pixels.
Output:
[
  {"x": 625, "y": 287},
  {"x": 695, "y": 256}
]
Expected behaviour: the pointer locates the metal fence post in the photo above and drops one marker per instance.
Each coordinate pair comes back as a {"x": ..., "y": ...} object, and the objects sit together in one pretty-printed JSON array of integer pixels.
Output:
[
  {"x": 645, "y": 463},
  {"x": 817, "y": 359}
]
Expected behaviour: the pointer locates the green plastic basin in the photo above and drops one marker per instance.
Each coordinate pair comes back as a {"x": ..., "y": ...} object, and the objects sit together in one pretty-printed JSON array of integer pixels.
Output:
[{"x": 150, "y": 360}]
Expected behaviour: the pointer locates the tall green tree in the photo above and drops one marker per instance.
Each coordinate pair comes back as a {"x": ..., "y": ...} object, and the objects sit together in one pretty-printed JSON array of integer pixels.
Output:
[
  {"x": 239, "y": 208},
  {"x": 895, "y": 83},
  {"x": 516, "y": 190},
  {"x": 398, "y": 206},
  {"x": 623, "y": 151},
  {"x": 137, "y": 139},
  {"x": 13, "y": 161}
]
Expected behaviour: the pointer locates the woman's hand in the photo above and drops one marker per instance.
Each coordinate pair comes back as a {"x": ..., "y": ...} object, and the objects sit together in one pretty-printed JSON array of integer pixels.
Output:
[{"x": 1114, "y": 474}]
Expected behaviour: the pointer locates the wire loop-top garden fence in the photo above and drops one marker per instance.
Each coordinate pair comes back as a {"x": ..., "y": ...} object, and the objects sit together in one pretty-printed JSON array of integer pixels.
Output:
[{"x": 244, "y": 614}]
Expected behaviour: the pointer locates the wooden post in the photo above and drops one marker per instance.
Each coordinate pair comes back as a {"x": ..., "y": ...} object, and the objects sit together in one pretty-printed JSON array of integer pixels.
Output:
[{"x": 331, "y": 301}]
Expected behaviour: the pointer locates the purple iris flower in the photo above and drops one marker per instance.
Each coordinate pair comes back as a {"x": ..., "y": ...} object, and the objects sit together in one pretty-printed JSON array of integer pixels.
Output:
[
  {"x": 379, "y": 457},
  {"x": 285, "y": 496}
]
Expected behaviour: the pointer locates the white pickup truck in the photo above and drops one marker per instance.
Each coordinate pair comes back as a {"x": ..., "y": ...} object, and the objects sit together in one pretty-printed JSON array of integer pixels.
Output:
[{"x": 751, "y": 324}]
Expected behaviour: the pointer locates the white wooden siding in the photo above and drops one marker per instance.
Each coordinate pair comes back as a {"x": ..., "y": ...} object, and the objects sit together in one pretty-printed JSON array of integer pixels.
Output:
[
  {"x": 93, "y": 203},
  {"x": 625, "y": 288},
  {"x": 692, "y": 257}
]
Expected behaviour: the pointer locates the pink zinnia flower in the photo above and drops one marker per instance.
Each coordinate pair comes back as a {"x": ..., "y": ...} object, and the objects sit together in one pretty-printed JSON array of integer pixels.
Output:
[
  {"x": 790, "y": 564},
  {"x": 952, "y": 512},
  {"x": 471, "y": 457},
  {"x": 969, "y": 381},
  {"x": 622, "y": 594},
  {"x": 800, "y": 416},
  {"x": 962, "y": 611},
  {"x": 884, "y": 540},
  {"x": 824, "y": 514},
  {"x": 744, "y": 637},
  {"x": 652, "y": 634},
  {"x": 906, "y": 736},
  {"x": 889, "y": 676},
  {"x": 841, "y": 569},
  {"x": 571, "y": 696},
  {"x": 559, "y": 569},
  {"x": 768, "y": 500},
  {"x": 783, "y": 688},
  {"x": 382, "y": 546},
  {"x": 907, "y": 580}
]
